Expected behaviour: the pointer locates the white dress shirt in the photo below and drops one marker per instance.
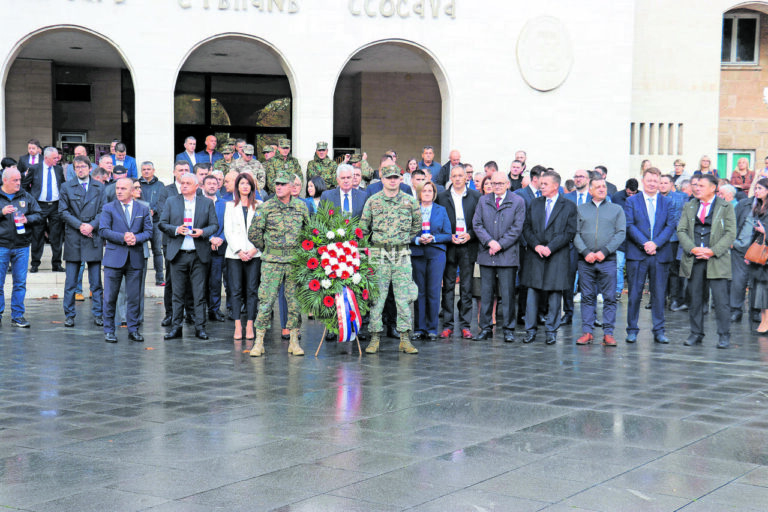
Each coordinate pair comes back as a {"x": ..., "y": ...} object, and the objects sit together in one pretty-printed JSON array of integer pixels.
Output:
[
  {"x": 54, "y": 185},
  {"x": 189, "y": 210},
  {"x": 458, "y": 206}
]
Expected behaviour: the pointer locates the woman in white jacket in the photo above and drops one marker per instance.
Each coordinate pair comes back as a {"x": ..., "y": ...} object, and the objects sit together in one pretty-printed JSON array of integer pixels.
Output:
[{"x": 243, "y": 259}]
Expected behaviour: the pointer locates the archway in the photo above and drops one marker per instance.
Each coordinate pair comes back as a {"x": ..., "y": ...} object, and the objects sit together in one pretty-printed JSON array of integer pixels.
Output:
[
  {"x": 391, "y": 94},
  {"x": 68, "y": 85},
  {"x": 234, "y": 86}
]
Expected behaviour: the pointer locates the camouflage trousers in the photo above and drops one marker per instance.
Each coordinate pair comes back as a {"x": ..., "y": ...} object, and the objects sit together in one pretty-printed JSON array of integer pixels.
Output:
[
  {"x": 393, "y": 267},
  {"x": 272, "y": 274}
]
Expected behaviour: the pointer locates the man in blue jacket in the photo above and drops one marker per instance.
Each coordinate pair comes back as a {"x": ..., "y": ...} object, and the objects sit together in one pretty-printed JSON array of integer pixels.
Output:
[{"x": 121, "y": 158}]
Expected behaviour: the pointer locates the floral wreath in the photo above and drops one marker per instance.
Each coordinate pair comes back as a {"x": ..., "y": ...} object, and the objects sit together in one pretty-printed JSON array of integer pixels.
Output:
[{"x": 333, "y": 273}]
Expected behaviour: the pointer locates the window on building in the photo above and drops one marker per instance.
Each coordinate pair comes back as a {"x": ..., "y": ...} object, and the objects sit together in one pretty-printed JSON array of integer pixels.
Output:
[
  {"x": 741, "y": 38},
  {"x": 728, "y": 158}
]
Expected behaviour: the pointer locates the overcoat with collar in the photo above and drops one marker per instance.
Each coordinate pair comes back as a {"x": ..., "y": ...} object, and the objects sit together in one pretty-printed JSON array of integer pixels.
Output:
[
  {"x": 77, "y": 207},
  {"x": 550, "y": 273}
]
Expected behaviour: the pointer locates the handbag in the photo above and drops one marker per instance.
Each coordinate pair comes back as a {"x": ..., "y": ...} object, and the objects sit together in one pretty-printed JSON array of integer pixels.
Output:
[{"x": 757, "y": 252}]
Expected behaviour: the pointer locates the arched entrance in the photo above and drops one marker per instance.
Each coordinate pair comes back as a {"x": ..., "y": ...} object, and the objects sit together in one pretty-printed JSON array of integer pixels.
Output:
[
  {"x": 65, "y": 86},
  {"x": 391, "y": 95},
  {"x": 233, "y": 86}
]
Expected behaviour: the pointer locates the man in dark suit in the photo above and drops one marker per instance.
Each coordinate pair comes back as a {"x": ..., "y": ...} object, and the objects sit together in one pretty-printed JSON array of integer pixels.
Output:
[
  {"x": 532, "y": 191},
  {"x": 189, "y": 221},
  {"x": 188, "y": 155},
  {"x": 33, "y": 156},
  {"x": 125, "y": 224},
  {"x": 528, "y": 194},
  {"x": 460, "y": 204},
  {"x": 740, "y": 273},
  {"x": 650, "y": 225},
  {"x": 550, "y": 226},
  {"x": 109, "y": 189},
  {"x": 579, "y": 196},
  {"x": 346, "y": 198},
  {"x": 43, "y": 181},
  {"x": 218, "y": 244},
  {"x": 80, "y": 205}
]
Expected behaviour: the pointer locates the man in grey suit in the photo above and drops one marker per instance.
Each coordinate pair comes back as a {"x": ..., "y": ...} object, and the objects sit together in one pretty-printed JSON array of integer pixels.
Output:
[
  {"x": 345, "y": 197},
  {"x": 80, "y": 204},
  {"x": 189, "y": 221}
]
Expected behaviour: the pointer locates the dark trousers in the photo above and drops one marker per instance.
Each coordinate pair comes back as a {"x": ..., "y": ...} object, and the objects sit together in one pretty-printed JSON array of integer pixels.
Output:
[
  {"x": 552, "y": 318},
  {"x": 389, "y": 314},
  {"x": 460, "y": 259},
  {"x": 676, "y": 283},
  {"x": 215, "y": 271},
  {"x": 568, "y": 294},
  {"x": 427, "y": 273},
  {"x": 244, "y": 281},
  {"x": 168, "y": 291},
  {"x": 657, "y": 274},
  {"x": 70, "y": 283},
  {"x": 112, "y": 279},
  {"x": 594, "y": 279},
  {"x": 50, "y": 223},
  {"x": 741, "y": 278},
  {"x": 157, "y": 252},
  {"x": 699, "y": 286},
  {"x": 504, "y": 278},
  {"x": 186, "y": 267}
]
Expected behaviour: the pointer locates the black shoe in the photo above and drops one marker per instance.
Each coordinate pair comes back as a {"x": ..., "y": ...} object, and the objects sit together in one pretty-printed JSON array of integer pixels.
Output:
[
  {"x": 509, "y": 337},
  {"x": 631, "y": 337},
  {"x": 736, "y": 316},
  {"x": 98, "y": 321},
  {"x": 33, "y": 270},
  {"x": 392, "y": 332},
  {"x": 229, "y": 314},
  {"x": 618, "y": 296},
  {"x": 123, "y": 324},
  {"x": 69, "y": 322},
  {"x": 566, "y": 320},
  {"x": 216, "y": 316},
  {"x": 485, "y": 334},
  {"x": 693, "y": 339},
  {"x": 58, "y": 268},
  {"x": 416, "y": 336},
  {"x": 167, "y": 321},
  {"x": 724, "y": 341},
  {"x": 136, "y": 336},
  {"x": 110, "y": 337},
  {"x": 551, "y": 338},
  {"x": 331, "y": 336},
  {"x": 530, "y": 337},
  {"x": 20, "y": 322},
  {"x": 432, "y": 337},
  {"x": 200, "y": 333},
  {"x": 756, "y": 317},
  {"x": 190, "y": 320},
  {"x": 173, "y": 333},
  {"x": 660, "y": 338},
  {"x": 597, "y": 323},
  {"x": 648, "y": 306},
  {"x": 673, "y": 305}
]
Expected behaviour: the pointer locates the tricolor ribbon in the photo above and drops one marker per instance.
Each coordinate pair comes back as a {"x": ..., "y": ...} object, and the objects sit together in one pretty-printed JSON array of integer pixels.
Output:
[{"x": 348, "y": 315}]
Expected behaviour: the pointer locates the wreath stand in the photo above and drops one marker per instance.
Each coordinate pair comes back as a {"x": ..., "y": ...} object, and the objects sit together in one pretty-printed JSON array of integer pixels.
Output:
[{"x": 325, "y": 331}]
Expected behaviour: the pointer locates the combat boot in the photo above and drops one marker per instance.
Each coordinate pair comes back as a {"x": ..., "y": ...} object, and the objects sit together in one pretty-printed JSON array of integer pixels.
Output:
[
  {"x": 293, "y": 345},
  {"x": 373, "y": 345},
  {"x": 405, "y": 343},
  {"x": 258, "y": 345}
]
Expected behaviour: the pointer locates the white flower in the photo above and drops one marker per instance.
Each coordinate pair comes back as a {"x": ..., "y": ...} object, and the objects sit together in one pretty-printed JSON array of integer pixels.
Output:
[
  {"x": 328, "y": 271},
  {"x": 329, "y": 235},
  {"x": 326, "y": 283},
  {"x": 340, "y": 231},
  {"x": 356, "y": 261},
  {"x": 333, "y": 261},
  {"x": 356, "y": 278}
]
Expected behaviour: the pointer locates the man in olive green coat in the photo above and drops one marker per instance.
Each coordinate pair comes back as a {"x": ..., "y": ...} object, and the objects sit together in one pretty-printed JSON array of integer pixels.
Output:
[{"x": 706, "y": 231}]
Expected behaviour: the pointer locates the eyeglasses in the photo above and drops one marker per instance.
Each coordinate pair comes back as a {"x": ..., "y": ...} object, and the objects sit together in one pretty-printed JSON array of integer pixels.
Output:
[{"x": 497, "y": 183}]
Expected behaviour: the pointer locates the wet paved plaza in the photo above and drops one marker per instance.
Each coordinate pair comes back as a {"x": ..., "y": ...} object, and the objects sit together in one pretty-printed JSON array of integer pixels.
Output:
[{"x": 195, "y": 426}]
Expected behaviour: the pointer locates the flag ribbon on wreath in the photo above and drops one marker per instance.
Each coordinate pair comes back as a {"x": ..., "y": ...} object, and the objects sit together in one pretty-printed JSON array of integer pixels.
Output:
[{"x": 348, "y": 315}]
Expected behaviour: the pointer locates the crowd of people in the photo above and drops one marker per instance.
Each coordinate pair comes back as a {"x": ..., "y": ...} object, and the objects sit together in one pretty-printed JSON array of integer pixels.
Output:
[{"x": 522, "y": 244}]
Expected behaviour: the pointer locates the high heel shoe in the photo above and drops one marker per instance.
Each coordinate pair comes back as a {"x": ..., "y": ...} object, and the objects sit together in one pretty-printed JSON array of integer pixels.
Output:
[{"x": 758, "y": 331}]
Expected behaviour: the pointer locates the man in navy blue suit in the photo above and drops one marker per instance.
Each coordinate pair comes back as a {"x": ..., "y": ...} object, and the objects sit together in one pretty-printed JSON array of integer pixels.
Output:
[
  {"x": 345, "y": 197},
  {"x": 188, "y": 155},
  {"x": 125, "y": 225},
  {"x": 650, "y": 225}
]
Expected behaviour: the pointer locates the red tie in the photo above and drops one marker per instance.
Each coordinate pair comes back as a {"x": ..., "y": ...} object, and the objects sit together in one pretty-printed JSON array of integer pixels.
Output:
[
  {"x": 498, "y": 201},
  {"x": 703, "y": 214}
]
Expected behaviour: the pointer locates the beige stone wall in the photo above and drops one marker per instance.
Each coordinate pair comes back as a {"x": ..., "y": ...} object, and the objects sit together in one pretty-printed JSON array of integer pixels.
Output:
[{"x": 29, "y": 105}]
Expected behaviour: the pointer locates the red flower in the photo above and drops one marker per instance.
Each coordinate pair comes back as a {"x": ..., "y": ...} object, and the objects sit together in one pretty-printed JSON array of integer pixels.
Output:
[
  {"x": 346, "y": 221},
  {"x": 347, "y": 251},
  {"x": 365, "y": 294},
  {"x": 370, "y": 271},
  {"x": 314, "y": 285},
  {"x": 345, "y": 275},
  {"x": 334, "y": 267},
  {"x": 328, "y": 301},
  {"x": 322, "y": 250},
  {"x": 359, "y": 233},
  {"x": 315, "y": 231},
  {"x": 352, "y": 316},
  {"x": 332, "y": 275},
  {"x": 312, "y": 263},
  {"x": 353, "y": 243},
  {"x": 330, "y": 212},
  {"x": 367, "y": 251},
  {"x": 307, "y": 245}
]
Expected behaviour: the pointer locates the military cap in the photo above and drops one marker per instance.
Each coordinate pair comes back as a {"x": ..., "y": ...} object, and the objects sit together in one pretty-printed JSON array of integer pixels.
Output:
[
  {"x": 267, "y": 149},
  {"x": 284, "y": 177},
  {"x": 390, "y": 170},
  {"x": 321, "y": 145},
  {"x": 284, "y": 143},
  {"x": 231, "y": 142},
  {"x": 228, "y": 149},
  {"x": 248, "y": 149},
  {"x": 356, "y": 158},
  {"x": 119, "y": 169}
]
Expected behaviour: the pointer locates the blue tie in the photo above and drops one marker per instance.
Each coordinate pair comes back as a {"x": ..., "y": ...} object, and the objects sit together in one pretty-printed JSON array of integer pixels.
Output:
[
  {"x": 580, "y": 200},
  {"x": 127, "y": 216},
  {"x": 85, "y": 186},
  {"x": 49, "y": 186},
  {"x": 346, "y": 203},
  {"x": 547, "y": 212},
  {"x": 538, "y": 193}
]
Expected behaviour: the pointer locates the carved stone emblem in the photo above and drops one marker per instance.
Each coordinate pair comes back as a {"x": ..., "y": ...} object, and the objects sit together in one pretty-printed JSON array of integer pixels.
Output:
[{"x": 544, "y": 53}]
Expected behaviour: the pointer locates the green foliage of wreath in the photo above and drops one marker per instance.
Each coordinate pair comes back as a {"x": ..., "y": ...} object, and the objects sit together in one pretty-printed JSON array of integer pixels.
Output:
[{"x": 316, "y": 287}]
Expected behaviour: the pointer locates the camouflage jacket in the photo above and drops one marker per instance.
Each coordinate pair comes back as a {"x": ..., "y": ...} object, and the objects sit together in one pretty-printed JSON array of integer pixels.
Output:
[
  {"x": 224, "y": 167},
  {"x": 276, "y": 164},
  {"x": 276, "y": 229},
  {"x": 254, "y": 167},
  {"x": 397, "y": 219},
  {"x": 325, "y": 168}
]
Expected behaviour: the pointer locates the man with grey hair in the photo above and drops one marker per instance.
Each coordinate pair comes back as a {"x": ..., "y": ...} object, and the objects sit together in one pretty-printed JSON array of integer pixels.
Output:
[
  {"x": 347, "y": 198},
  {"x": 43, "y": 181},
  {"x": 728, "y": 192},
  {"x": 19, "y": 212},
  {"x": 444, "y": 176}
]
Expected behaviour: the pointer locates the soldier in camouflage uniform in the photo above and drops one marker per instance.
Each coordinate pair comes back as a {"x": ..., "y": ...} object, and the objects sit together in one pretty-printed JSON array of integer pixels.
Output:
[
  {"x": 252, "y": 165},
  {"x": 392, "y": 219},
  {"x": 322, "y": 166},
  {"x": 275, "y": 230},
  {"x": 269, "y": 152},
  {"x": 281, "y": 162},
  {"x": 225, "y": 164},
  {"x": 358, "y": 162}
]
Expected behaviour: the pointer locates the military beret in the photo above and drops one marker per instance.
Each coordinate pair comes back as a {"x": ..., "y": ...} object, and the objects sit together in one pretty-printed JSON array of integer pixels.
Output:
[
  {"x": 357, "y": 157},
  {"x": 284, "y": 143},
  {"x": 267, "y": 149},
  {"x": 284, "y": 177},
  {"x": 390, "y": 170},
  {"x": 248, "y": 149},
  {"x": 321, "y": 145}
]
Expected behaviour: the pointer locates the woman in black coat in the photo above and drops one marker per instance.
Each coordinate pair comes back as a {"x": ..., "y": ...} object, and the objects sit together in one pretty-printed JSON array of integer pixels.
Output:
[{"x": 760, "y": 272}]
